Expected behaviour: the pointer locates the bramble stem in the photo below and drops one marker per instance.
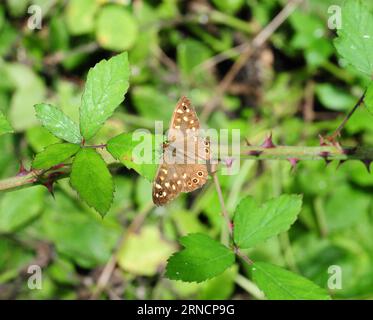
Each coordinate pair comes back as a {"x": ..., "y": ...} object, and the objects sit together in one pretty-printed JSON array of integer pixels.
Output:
[
  {"x": 250, "y": 152},
  {"x": 307, "y": 153}
]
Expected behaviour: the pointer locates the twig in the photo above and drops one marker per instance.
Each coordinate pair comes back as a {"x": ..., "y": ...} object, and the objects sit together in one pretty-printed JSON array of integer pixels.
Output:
[
  {"x": 364, "y": 154},
  {"x": 249, "y": 287},
  {"x": 222, "y": 204},
  {"x": 257, "y": 42},
  {"x": 60, "y": 56},
  {"x": 337, "y": 132}
]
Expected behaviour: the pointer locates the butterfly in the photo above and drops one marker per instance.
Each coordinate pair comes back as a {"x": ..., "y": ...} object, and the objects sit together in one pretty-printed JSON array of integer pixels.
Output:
[{"x": 185, "y": 156}]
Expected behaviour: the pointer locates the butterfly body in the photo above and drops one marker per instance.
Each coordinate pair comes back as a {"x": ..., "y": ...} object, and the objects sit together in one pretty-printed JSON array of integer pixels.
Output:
[{"x": 184, "y": 158}]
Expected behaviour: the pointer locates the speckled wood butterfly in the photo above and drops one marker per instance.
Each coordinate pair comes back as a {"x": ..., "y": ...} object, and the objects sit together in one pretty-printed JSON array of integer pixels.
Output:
[{"x": 185, "y": 156}]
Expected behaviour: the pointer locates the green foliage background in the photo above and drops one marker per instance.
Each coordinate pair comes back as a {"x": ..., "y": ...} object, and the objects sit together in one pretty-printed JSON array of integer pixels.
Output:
[{"x": 296, "y": 86}]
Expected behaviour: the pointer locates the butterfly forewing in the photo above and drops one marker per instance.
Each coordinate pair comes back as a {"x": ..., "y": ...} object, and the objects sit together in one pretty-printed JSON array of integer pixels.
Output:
[{"x": 184, "y": 166}]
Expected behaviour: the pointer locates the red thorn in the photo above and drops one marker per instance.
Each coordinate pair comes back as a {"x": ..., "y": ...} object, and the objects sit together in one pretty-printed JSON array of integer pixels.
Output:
[
  {"x": 22, "y": 170},
  {"x": 255, "y": 153},
  {"x": 349, "y": 151},
  {"x": 367, "y": 163},
  {"x": 268, "y": 143},
  {"x": 325, "y": 155},
  {"x": 50, "y": 186},
  {"x": 231, "y": 225},
  {"x": 293, "y": 162},
  {"x": 229, "y": 162},
  {"x": 58, "y": 166},
  {"x": 322, "y": 141}
]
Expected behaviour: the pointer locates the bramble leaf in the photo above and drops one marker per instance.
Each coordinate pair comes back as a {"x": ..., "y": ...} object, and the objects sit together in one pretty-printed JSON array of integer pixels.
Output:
[
  {"x": 355, "y": 38},
  {"x": 91, "y": 178},
  {"x": 107, "y": 83},
  {"x": 54, "y": 154},
  {"x": 4, "y": 125},
  {"x": 253, "y": 223},
  {"x": 281, "y": 284},
  {"x": 202, "y": 258},
  {"x": 134, "y": 153},
  {"x": 57, "y": 123}
]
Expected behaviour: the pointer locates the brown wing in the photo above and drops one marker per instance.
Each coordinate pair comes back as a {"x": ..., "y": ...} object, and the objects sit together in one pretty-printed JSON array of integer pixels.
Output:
[
  {"x": 184, "y": 119},
  {"x": 175, "y": 178},
  {"x": 181, "y": 170},
  {"x": 167, "y": 184}
]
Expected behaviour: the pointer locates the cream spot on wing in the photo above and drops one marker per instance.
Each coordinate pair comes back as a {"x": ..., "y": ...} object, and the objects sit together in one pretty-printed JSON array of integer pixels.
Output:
[
  {"x": 177, "y": 127},
  {"x": 164, "y": 171},
  {"x": 184, "y": 176},
  {"x": 185, "y": 118},
  {"x": 161, "y": 177},
  {"x": 164, "y": 193},
  {"x": 167, "y": 185},
  {"x": 175, "y": 175},
  {"x": 157, "y": 195},
  {"x": 191, "y": 121},
  {"x": 173, "y": 187},
  {"x": 178, "y": 182},
  {"x": 158, "y": 186},
  {"x": 179, "y": 111}
]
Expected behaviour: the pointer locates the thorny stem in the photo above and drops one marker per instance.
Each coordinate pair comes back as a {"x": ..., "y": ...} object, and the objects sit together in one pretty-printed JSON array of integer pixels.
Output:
[{"x": 364, "y": 154}]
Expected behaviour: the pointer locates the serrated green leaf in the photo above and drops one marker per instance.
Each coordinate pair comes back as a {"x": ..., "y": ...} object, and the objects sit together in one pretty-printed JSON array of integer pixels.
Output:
[
  {"x": 4, "y": 125},
  {"x": 202, "y": 258},
  {"x": 253, "y": 223},
  {"x": 281, "y": 284},
  {"x": 54, "y": 154},
  {"x": 107, "y": 83},
  {"x": 91, "y": 178},
  {"x": 111, "y": 19},
  {"x": 57, "y": 123},
  {"x": 355, "y": 38},
  {"x": 127, "y": 149}
]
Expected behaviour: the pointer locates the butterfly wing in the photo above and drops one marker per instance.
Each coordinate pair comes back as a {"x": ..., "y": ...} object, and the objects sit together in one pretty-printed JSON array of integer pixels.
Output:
[
  {"x": 184, "y": 118},
  {"x": 181, "y": 170},
  {"x": 167, "y": 184}
]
